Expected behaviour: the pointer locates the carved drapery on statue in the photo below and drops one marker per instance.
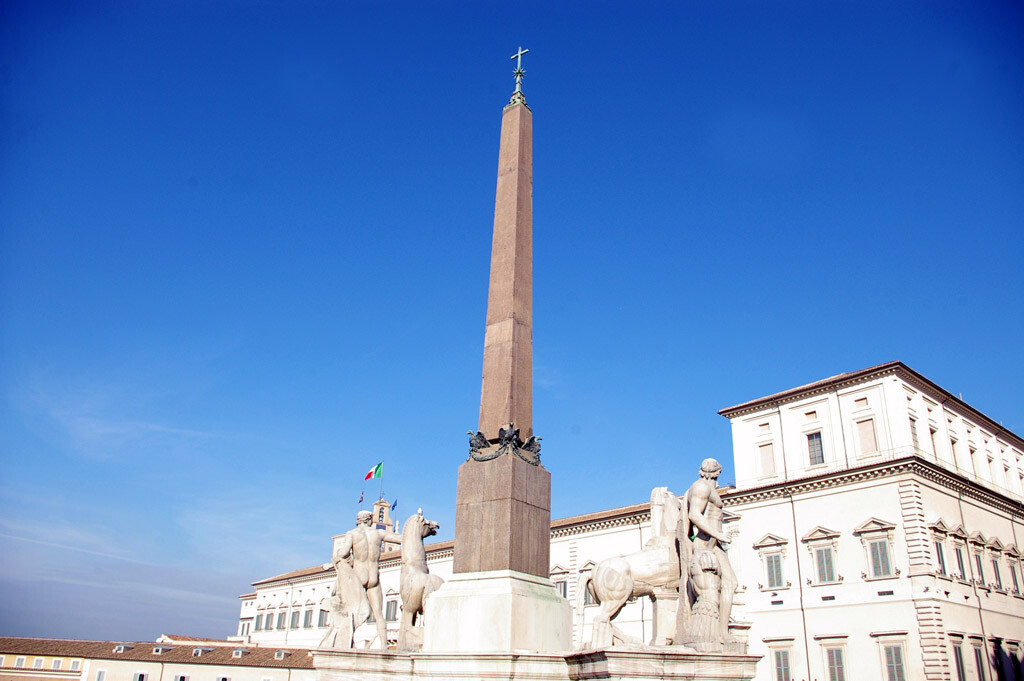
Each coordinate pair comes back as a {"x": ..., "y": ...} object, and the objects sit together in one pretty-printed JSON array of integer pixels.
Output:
[{"x": 508, "y": 442}]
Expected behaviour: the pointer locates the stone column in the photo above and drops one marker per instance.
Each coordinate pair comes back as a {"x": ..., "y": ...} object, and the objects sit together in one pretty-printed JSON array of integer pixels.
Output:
[{"x": 500, "y": 597}]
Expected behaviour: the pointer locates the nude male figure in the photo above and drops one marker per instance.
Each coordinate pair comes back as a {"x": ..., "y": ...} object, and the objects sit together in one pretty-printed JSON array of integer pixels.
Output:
[
  {"x": 704, "y": 512},
  {"x": 358, "y": 554}
]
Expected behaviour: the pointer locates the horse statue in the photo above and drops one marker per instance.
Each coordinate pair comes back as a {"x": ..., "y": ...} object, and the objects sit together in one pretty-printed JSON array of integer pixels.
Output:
[
  {"x": 416, "y": 582},
  {"x": 616, "y": 580}
]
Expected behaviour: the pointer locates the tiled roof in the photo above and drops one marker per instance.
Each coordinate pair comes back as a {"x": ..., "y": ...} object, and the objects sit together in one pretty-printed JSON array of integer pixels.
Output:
[
  {"x": 171, "y": 638},
  {"x": 294, "y": 574},
  {"x": 895, "y": 366},
  {"x": 142, "y": 651},
  {"x": 838, "y": 378}
]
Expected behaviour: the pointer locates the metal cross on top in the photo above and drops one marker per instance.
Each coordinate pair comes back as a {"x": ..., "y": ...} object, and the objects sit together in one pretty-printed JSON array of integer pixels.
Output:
[{"x": 519, "y": 73}]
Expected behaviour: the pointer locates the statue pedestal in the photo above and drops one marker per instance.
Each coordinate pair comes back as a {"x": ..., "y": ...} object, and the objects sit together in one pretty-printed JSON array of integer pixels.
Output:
[
  {"x": 497, "y": 611},
  {"x": 666, "y": 600}
]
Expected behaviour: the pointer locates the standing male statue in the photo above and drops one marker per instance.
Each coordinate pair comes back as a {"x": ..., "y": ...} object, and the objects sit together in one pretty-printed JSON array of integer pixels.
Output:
[
  {"x": 357, "y": 590},
  {"x": 708, "y": 582}
]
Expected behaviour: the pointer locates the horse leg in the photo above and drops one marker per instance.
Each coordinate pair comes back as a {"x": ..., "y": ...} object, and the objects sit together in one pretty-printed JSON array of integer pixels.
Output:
[
  {"x": 602, "y": 633},
  {"x": 404, "y": 633}
]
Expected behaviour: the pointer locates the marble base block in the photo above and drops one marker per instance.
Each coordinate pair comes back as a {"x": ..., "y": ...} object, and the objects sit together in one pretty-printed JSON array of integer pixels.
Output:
[
  {"x": 611, "y": 664},
  {"x": 497, "y": 611}
]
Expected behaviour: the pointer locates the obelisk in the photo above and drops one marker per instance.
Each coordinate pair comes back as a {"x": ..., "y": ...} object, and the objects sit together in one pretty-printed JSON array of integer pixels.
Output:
[{"x": 500, "y": 597}]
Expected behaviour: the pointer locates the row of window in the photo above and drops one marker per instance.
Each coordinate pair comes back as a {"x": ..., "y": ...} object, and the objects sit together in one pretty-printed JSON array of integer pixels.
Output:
[
  {"x": 1002, "y": 664},
  {"x": 266, "y": 622},
  {"x": 40, "y": 663},
  {"x": 893, "y": 661},
  {"x": 814, "y": 451},
  {"x": 987, "y": 467},
  {"x": 823, "y": 546},
  {"x": 980, "y": 575},
  {"x": 101, "y": 675}
]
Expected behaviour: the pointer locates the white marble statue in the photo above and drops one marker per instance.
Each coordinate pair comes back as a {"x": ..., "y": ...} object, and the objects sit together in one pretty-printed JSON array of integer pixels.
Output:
[
  {"x": 357, "y": 591},
  {"x": 708, "y": 582},
  {"x": 616, "y": 580},
  {"x": 416, "y": 582}
]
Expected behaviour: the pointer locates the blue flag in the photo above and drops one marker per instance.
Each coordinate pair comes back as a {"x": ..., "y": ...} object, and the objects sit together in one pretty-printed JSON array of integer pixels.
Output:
[{"x": 394, "y": 505}]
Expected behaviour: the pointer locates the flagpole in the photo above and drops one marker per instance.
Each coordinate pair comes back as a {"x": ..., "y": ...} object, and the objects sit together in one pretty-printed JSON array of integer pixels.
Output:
[{"x": 381, "y": 480}]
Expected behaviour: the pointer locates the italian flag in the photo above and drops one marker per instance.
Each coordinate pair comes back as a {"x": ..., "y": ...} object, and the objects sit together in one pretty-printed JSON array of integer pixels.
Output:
[{"x": 376, "y": 472}]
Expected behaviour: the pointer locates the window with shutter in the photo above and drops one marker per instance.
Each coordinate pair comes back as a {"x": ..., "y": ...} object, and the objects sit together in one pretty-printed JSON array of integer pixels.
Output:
[
  {"x": 880, "y": 566},
  {"x": 782, "y": 665},
  {"x": 814, "y": 450},
  {"x": 981, "y": 570},
  {"x": 979, "y": 663},
  {"x": 958, "y": 662},
  {"x": 995, "y": 570},
  {"x": 773, "y": 561},
  {"x": 836, "y": 669},
  {"x": 823, "y": 558},
  {"x": 940, "y": 557},
  {"x": 960, "y": 562},
  {"x": 894, "y": 663}
]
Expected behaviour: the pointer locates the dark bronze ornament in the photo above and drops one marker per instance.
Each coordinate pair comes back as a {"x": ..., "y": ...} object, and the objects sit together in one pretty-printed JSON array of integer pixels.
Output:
[{"x": 508, "y": 440}]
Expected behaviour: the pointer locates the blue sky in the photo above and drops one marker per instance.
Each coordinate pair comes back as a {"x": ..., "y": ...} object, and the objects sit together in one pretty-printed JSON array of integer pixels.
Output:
[{"x": 244, "y": 255}]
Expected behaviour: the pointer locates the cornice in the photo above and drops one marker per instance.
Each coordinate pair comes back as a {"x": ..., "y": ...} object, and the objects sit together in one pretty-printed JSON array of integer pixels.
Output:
[
  {"x": 635, "y": 518},
  {"x": 840, "y": 381},
  {"x": 811, "y": 389},
  {"x": 910, "y": 464}
]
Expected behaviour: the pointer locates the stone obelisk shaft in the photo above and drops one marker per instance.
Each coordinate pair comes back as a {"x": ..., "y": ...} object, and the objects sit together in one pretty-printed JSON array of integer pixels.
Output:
[
  {"x": 506, "y": 394},
  {"x": 503, "y": 506}
]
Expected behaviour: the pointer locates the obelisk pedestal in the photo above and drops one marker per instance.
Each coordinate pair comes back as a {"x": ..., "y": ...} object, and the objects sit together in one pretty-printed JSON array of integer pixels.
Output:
[{"x": 500, "y": 598}]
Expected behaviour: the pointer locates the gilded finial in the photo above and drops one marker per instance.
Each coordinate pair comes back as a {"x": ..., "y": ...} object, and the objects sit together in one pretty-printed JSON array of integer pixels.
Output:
[{"x": 517, "y": 96}]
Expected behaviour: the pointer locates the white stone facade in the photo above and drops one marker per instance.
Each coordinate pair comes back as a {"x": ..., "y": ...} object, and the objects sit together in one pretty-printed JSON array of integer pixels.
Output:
[{"x": 848, "y": 530}]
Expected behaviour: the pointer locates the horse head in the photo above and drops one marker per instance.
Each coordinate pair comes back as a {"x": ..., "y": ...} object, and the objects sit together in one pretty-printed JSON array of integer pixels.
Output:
[{"x": 419, "y": 526}]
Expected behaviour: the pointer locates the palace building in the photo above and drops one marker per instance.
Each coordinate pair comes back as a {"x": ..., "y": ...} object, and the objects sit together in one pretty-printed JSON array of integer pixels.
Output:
[{"x": 875, "y": 527}]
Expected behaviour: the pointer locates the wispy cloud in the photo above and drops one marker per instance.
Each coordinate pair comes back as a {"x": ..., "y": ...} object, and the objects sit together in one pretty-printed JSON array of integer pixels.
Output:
[
  {"x": 99, "y": 418},
  {"x": 77, "y": 549}
]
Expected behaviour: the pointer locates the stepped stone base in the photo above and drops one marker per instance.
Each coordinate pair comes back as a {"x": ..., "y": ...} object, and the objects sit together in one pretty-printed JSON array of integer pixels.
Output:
[
  {"x": 613, "y": 664},
  {"x": 497, "y": 611}
]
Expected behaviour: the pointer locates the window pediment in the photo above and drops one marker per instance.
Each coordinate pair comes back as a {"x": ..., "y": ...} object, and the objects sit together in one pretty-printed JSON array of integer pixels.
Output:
[
  {"x": 557, "y": 569},
  {"x": 874, "y": 525},
  {"x": 589, "y": 565},
  {"x": 729, "y": 517},
  {"x": 977, "y": 538},
  {"x": 939, "y": 527},
  {"x": 1011, "y": 550},
  {"x": 995, "y": 544},
  {"x": 958, "y": 531},
  {"x": 819, "y": 533},
  {"x": 770, "y": 541}
]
